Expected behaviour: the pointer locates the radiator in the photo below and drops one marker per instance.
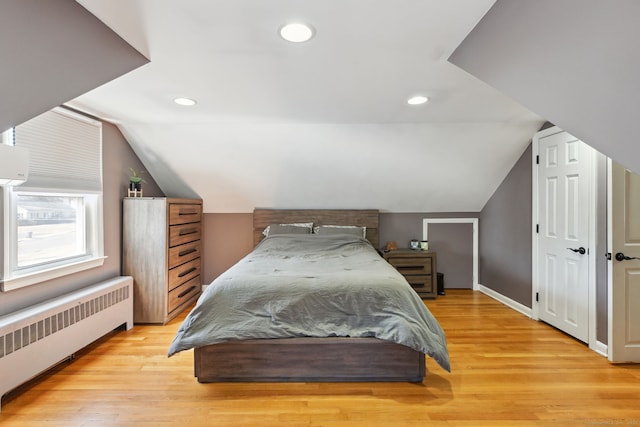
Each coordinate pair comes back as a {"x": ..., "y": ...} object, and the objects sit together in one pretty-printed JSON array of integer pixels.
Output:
[{"x": 38, "y": 337}]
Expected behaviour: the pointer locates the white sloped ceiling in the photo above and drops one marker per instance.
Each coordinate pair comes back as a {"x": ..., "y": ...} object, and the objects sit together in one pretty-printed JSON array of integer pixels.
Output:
[{"x": 318, "y": 124}]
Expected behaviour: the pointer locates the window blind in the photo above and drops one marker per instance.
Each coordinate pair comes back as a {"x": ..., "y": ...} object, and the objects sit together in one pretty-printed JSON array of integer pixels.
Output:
[{"x": 65, "y": 151}]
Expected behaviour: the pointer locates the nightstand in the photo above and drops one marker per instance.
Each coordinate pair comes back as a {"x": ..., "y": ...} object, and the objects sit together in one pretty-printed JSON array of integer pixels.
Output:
[{"x": 418, "y": 267}]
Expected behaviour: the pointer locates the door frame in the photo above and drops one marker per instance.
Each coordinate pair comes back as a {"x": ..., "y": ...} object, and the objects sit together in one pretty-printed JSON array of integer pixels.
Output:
[
  {"x": 474, "y": 223},
  {"x": 610, "y": 306},
  {"x": 593, "y": 221}
]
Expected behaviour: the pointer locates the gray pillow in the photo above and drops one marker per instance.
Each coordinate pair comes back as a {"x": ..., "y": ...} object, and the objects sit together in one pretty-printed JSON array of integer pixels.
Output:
[
  {"x": 342, "y": 229},
  {"x": 288, "y": 229}
]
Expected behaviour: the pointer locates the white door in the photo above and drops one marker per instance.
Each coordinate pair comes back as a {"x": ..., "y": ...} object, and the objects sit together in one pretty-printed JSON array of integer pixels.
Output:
[
  {"x": 564, "y": 169},
  {"x": 624, "y": 286}
]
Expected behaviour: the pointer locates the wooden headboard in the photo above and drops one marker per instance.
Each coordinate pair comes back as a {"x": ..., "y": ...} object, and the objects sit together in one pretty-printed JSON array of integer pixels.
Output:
[{"x": 360, "y": 217}]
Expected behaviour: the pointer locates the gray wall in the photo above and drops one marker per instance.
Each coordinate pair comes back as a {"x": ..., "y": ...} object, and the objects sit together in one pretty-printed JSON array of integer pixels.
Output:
[
  {"x": 452, "y": 242},
  {"x": 228, "y": 237},
  {"x": 505, "y": 235},
  {"x": 54, "y": 51},
  {"x": 602, "y": 265},
  {"x": 117, "y": 158},
  {"x": 505, "y": 239},
  {"x": 574, "y": 62}
]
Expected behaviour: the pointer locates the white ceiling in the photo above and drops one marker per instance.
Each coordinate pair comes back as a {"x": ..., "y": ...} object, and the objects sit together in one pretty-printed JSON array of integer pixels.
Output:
[{"x": 318, "y": 124}]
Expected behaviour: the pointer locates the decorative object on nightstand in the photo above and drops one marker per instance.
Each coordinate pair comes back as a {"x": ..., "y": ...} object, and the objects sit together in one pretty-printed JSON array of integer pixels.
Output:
[
  {"x": 418, "y": 267},
  {"x": 391, "y": 246},
  {"x": 161, "y": 250}
]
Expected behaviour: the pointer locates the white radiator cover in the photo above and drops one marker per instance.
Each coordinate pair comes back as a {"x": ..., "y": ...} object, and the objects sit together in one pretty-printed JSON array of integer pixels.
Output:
[{"x": 38, "y": 337}]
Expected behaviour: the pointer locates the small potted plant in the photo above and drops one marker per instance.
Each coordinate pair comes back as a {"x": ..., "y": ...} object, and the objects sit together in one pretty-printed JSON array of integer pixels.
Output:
[{"x": 135, "y": 180}]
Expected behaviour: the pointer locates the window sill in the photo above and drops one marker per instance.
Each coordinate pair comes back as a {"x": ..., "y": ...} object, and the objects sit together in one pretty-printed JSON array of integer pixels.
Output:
[{"x": 49, "y": 274}]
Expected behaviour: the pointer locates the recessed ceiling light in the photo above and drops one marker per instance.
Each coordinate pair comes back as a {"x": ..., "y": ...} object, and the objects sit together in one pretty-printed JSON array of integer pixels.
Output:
[
  {"x": 417, "y": 100},
  {"x": 296, "y": 32},
  {"x": 185, "y": 101}
]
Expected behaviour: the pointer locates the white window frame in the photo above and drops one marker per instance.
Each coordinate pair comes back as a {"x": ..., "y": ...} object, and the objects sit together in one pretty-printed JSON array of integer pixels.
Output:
[{"x": 12, "y": 277}]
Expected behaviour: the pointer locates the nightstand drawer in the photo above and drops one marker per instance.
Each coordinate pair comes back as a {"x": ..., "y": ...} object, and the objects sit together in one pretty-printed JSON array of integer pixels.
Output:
[
  {"x": 409, "y": 265},
  {"x": 183, "y": 293},
  {"x": 184, "y": 233},
  {"x": 417, "y": 267},
  {"x": 421, "y": 284},
  {"x": 180, "y": 213}
]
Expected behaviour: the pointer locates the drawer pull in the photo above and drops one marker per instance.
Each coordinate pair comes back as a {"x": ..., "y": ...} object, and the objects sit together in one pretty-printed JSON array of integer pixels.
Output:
[
  {"x": 181, "y": 213},
  {"x": 187, "y": 251},
  {"x": 184, "y": 273},
  {"x": 186, "y": 292},
  {"x": 187, "y": 232}
]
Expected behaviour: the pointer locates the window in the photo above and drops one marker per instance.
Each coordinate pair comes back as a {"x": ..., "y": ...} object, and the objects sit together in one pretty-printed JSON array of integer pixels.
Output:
[{"x": 52, "y": 224}]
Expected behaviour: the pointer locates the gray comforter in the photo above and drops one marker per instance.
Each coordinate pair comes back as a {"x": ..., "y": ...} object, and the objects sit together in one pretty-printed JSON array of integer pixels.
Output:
[{"x": 312, "y": 286}]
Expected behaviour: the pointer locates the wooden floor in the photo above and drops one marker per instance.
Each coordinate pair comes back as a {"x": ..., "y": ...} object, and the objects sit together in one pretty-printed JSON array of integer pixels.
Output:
[{"x": 507, "y": 370}]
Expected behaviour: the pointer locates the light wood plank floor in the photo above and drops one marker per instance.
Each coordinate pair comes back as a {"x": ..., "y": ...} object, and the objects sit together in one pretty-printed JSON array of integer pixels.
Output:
[{"x": 507, "y": 370}]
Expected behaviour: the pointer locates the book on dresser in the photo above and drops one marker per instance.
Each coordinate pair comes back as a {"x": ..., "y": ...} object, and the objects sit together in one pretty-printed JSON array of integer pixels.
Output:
[{"x": 162, "y": 249}]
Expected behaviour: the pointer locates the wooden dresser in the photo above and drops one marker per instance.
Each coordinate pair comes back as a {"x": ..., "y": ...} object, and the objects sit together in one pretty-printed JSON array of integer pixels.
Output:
[
  {"x": 162, "y": 251},
  {"x": 418, "y": 267}
]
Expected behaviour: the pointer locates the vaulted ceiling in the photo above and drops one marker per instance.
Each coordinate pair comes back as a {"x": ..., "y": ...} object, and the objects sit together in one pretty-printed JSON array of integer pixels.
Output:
[{"x": 323, "y": 123}]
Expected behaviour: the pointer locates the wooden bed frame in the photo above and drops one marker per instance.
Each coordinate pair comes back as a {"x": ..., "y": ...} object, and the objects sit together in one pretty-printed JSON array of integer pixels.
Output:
[{"x": 310, "y": 359}]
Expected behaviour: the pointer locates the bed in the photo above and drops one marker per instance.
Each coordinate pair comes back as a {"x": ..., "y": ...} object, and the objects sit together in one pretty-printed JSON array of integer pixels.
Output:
[{"x": 271, "y": 318}]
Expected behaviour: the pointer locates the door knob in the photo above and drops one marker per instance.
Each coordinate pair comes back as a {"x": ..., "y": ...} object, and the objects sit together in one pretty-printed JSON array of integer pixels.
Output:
[
  {"x": 622, "y": 257},
  {"x": 580, "y": 250}
]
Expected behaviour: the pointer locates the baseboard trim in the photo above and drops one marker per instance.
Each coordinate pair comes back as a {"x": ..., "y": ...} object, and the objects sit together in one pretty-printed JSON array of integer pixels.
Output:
[
  {"x": 506, "y": 300},
  {"x": 601, "y": 348}
]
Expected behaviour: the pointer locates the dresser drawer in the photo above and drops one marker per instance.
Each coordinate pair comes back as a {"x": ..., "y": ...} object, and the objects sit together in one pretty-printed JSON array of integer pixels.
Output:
[
  {"x": 184, "y": 272},
  {"x": 183, "y": 293},
  {"x": 183, "y": 253},
  {"x": 184, "y": 233},
  {"x": 180, "y": 213}
]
